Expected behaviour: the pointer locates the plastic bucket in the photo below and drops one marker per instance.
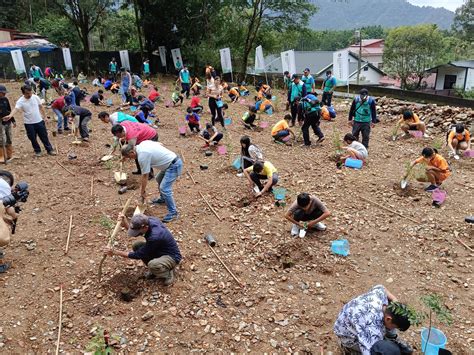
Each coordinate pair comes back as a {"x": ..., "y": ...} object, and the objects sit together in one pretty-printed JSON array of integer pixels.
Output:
[
  {"x": 354, "y": 163},
  {"x": 469, "y": 153},
  {"x": 227, "y": 121},
  {"x": 222, "y": 149},
  {"x": 286, "y": 138},
  {"x": 436, "y": 341},
  {"x": 133, "y": 108},
  {"x": 340, "y": 247},
  {"x": 182, "y": 130},
  {"x": 109, "y": 102},
  {"x": 439, "y": 196},
  {"x": 236, "y": 164},
  {"x": 279, "y": 193},
  {"x": 242, "y": 101},
  {"x": 263, "y": 124},
  {"x": 416, "y": 134},
  {"x": 269, "y": 111},
  {"x": 274, "y": 98}
]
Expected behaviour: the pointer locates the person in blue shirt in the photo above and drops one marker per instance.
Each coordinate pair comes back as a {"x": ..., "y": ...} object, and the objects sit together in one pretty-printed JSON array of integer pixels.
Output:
[
  {"x": 363, "y": 116},
  {"x": 308, "y": 81},
  {"x": 328, "y": 88},
  {"x": 146, "y": 69},
  {"x": 185, "y": 80},
  {"x": 125, "y": 83},
  {"x": 159, "y": 252},
  {"x": 296, "y": 91},
  {"x": 113, "y": 69}
]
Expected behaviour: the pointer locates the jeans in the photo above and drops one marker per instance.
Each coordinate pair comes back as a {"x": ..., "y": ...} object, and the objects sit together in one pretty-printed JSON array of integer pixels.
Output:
[
  {"x": 123, "y": 93},
  {"x": 61, "y": 119},
  {"x": 185, "y": 89},
  {"x": 216, "y": 112},
  {"x": 165, "y": 180},
  {"x": 83, "y": 129},
  {"x": 312, "y": 120},
  {"x": 364, "y": 128},
  {"x": 327, "y": 98},
  {"x": 257, "y": 177},
  {"x": 34, "y": 130},
  {"x": 193, "y": 127},
  {"x": 281, "y": 134}
]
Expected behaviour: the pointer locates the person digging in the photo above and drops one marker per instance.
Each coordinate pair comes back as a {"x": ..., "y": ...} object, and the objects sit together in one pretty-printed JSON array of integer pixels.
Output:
[
  {"x": 159, "y": 252},
  {"x": 261, "y": 171}
]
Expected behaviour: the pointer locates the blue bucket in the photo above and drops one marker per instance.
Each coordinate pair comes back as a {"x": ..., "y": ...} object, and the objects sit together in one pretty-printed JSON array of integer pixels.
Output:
[
  {"x": 109, "y": 102},
  {"x": 237, "y": 163},
  {"x": 354, "y": 163},
  {"x": 269, "y": 111},
  {"x": 227, "y": 121},
  {"x": 133, "y": 108},
  {"x": 436, "y": 341},
  {"x": 340, "y": 247},
  {"x": 279, "y": 193}
]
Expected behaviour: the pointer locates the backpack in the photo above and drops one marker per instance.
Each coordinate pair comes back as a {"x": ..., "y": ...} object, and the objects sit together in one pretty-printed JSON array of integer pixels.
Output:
[
  {"x": 332, "y": 112},
  {"x": 325, "y": 113}
]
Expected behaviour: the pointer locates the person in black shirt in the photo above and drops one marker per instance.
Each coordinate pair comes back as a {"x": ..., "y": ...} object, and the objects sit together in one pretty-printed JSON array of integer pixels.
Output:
[
  {"x": 84, "y": 117},
  {"x": 97, "y": 98},
  {"x": 6, "y": 147}
]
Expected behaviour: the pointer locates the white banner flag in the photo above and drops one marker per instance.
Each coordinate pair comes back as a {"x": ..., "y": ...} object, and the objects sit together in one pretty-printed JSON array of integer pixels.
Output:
[
  {"x": 226, "y": 62},
  {"x": 67, "y": 58},
  {"x": 340, "y": 65},
  {"x": 18, "y": 61},
  {"x": 162, "y": 50},
  {"x": 124, "y": 59},
  {"x": 288, "y": 62},
  {"x": 177, "y": 59},
  {"x": 259, "y": 61}
]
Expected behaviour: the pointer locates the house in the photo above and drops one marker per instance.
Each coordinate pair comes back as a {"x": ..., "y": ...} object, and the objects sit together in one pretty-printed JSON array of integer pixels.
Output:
[
  {"x": 458, "y": 74},
  {"x": 314, "y": 60},
  {"x": 372, "y": 51},
  {"x": 7, "y": 35}
]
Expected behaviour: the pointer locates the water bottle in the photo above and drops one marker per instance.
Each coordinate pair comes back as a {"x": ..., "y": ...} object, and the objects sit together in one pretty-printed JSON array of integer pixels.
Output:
[{"x": 340, "y": 247}]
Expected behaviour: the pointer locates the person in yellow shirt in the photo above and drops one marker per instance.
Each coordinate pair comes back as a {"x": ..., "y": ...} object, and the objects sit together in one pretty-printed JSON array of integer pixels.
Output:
[
  {"x": 411, "y": 122},
  {"x": 459, "y": 139},
  {"x": 234, "y": 94},
  {"x": 437, "y": 168},
  {"x": 261, "y": 171},
  {"x": 282, "y": 129}
]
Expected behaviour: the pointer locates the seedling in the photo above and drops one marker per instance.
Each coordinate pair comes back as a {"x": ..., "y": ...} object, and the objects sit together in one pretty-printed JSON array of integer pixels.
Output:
[
  {"x": 109, "y": 164},
  {"x": 106, "y": 222},
  {"x": 438, "y": 144},
  {"x": 337, "y": 141},
  {"x": 404, "y": 310},
  {"x": 99, "y": 344},
  {"x": 435, "y": 305}
]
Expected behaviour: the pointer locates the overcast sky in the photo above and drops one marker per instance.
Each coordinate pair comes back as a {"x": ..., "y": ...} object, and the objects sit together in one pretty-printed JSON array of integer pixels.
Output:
[{"x": 449, "y": 4}]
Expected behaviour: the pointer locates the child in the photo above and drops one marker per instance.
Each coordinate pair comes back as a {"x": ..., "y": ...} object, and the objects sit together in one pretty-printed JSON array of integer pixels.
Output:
[
  {"x": 154, "y": 94},
  {"x": 307, "y": 212},
  {"x": 193, "y": 120},
  {"x": 281, "y": 130},
  {"x": 82, "y": 121},
  {"x": 114, "y": 88},
  {"x": 266, "y": 103},
  {"x": 196, "y": 104},
  {"x": 57, "y": 106},
  {"x": 437, "y": 169},
  {"x": 249, "y": 117},
  {"x": 108, "y": 84},
  {"x": 261, "y": 171},
  {"x": 97, "y": 98},
  {"x": 196, "y": 86},
  {"x": 234, "y": 94},
  {"x": 6, "y": 127},
  {"x": 82, "y": 78},
  {"x": 97, "y": 81},
  {"x": 250, "y": 153},
  {"x": 264, "y": 91},
  {"x": 243, "y": 90},
  {"x": 210, "y": 135},
  {"x": 355, "y": 149},
  {"x": 459, "y": 138},
  {"x": 177, "y": 97},
  {"x": 411, "y": 122}
]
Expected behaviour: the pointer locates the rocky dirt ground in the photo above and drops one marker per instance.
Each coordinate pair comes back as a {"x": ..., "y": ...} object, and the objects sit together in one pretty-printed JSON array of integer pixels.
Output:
[{"x": 294, "y": 288}]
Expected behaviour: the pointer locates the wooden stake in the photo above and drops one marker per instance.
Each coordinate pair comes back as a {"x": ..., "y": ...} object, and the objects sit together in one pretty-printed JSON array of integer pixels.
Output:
[
  {"x": 68, "y": 234},
  {"x": 60, "y": 322},
  {"x": 465, "y": 245},
  {"x": 62, "y": 166},
  {"x": 389, "y": 209},
  {"x": 182, "y": 156},
  {"x": 210, "y": 207},
  {"x": 92, "y": 185},
  {"x": 190, "y": 175},
  {"x": 228, "y": 270},
  {"x": 112, "y": 236}
]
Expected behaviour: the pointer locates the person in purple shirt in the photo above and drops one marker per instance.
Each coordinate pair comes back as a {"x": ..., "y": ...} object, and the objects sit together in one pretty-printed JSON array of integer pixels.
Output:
[{"x": 159, "y": 252}]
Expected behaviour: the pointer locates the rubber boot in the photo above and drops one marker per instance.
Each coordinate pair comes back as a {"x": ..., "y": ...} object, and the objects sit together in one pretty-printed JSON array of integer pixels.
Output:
[{"x": 9, "y": 149}]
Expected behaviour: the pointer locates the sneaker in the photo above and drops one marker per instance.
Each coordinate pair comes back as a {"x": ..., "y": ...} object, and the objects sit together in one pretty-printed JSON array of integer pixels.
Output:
[
  {"x": 320, "y": 226},
  {"x": 158, "y": 201},
  {"x": 169, "y": 217},
  {"x": 295, "y": 230},
  {"x": 60, "y": 131},
  {"x": 4, "y": 267},
  {"x": 256, "y": 189},
  {"x": 320, "y": 140},
  {"x": 85, "y": 140},
  {"x": 136, "y": 172},
  {"x": 38, "y": 154},
  {"x": 67, "y": 129},
  {"x": 52, "y": 152},
  {"x": 240, "y": 175},
  {"x": 431, "y": 188},
  {"x": 170, "y": 279}
]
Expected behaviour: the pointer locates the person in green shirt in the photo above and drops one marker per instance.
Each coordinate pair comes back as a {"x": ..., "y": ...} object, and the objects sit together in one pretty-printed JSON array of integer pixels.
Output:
[
  {"x": 310, "y": 109},
  {"x": 363, "y": 116},
  {"x": 328, "y": 88},
  {"x": 309, "y": 82},
  {"x": 113, "y": 69},
  {"x": 146, "y": 69},
  {"x": 296, "y": 91}
]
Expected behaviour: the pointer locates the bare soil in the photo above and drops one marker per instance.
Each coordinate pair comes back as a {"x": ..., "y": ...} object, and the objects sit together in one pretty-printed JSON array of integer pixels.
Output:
[{"x": 294, "y": 288}]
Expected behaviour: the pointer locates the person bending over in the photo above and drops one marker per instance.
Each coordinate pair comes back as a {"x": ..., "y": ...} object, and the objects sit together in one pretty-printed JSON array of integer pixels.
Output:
[
  {"x": 437, "y": 168},
  {"x": 261, "y": 171}
]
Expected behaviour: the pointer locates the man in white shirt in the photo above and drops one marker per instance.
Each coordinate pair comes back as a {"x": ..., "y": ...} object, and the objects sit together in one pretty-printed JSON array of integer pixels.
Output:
[
  {"x": 152, "y": 154},
  {"x": 33, "y": 113}
]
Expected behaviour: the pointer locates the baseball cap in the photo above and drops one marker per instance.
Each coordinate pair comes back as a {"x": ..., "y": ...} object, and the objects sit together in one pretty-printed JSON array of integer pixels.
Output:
[
  {"x": 3, "y": 89},
  {"x": 307, "y": 69},
  {"x": 137, "y": 222}
]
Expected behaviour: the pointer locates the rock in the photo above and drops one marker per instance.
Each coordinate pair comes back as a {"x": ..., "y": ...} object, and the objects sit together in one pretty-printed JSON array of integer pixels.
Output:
[
  {"x": 273, "y": 343},
  {"x": 148, "y": 315}
]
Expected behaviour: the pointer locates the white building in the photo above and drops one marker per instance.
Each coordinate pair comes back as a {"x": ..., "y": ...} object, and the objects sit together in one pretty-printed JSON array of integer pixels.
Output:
[{"x": 459, "y": 74}]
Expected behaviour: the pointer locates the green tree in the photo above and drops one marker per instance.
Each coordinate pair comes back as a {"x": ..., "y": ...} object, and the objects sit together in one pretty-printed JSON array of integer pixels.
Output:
[
  {"x": 11, "y": 13},
  {"x": 58, "y": 31},
  {"x": 464, "y": 20},
  {"x": 410, "y": 50}
]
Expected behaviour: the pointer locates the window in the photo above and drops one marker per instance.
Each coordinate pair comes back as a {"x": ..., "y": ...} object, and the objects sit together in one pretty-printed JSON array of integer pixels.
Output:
[{"x": 449, "y": 81}]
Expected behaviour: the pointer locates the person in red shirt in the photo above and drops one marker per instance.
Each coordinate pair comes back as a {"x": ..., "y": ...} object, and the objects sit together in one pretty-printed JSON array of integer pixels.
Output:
[
  {"x": 134, "y": 133},
  {"x": 196, "y": 104},
  {"x": 154, "y": 94},
  {"x": 57, "y": 106}
]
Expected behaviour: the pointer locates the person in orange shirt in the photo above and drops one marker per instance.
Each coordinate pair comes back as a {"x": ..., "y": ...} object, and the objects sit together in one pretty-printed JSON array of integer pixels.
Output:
[
  {"x": 266, "y": 104},
  {"x": 437, "y": 168},
  {"x": 459, "y": 139},
  {"x": 234, "y": 94},
  {"x": 281, "y": 130},
  {"x": 411, "y": 122},
  {"x": 263, "y": 91}
]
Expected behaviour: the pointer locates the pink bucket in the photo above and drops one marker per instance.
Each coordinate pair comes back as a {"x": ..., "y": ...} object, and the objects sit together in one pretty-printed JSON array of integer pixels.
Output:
[
  {"x": 222, "y": 150},
  {"x": 263, "y": 124},
  {"x": 469, "y": 153},
  {"x": 182, "y": 130},
  {"x": 439, "y": 196},
  {"x": 416, "y": 134},
  {"x": 242, "y": 101},
  {"x": 287, "y": 138}
]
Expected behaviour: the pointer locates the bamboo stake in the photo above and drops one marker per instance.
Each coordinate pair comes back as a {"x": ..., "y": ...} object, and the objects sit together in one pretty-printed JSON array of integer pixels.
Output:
[
  {"x": 182, "y": 156},
  {"x": 388, "y": 209},
  {"x": 60, "y": 322},
  {"x": 62, "y": 166},
  {"x": 112, "y": 236},
  {"x": 210, "y": 207},
  {"x": 192, "y": 178},
  {"x": 465, "y": 245},
  {"x": 228, "y": 270},
  {"x": 68, "y": 234},
  {"x": 92, "y": 185}
]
